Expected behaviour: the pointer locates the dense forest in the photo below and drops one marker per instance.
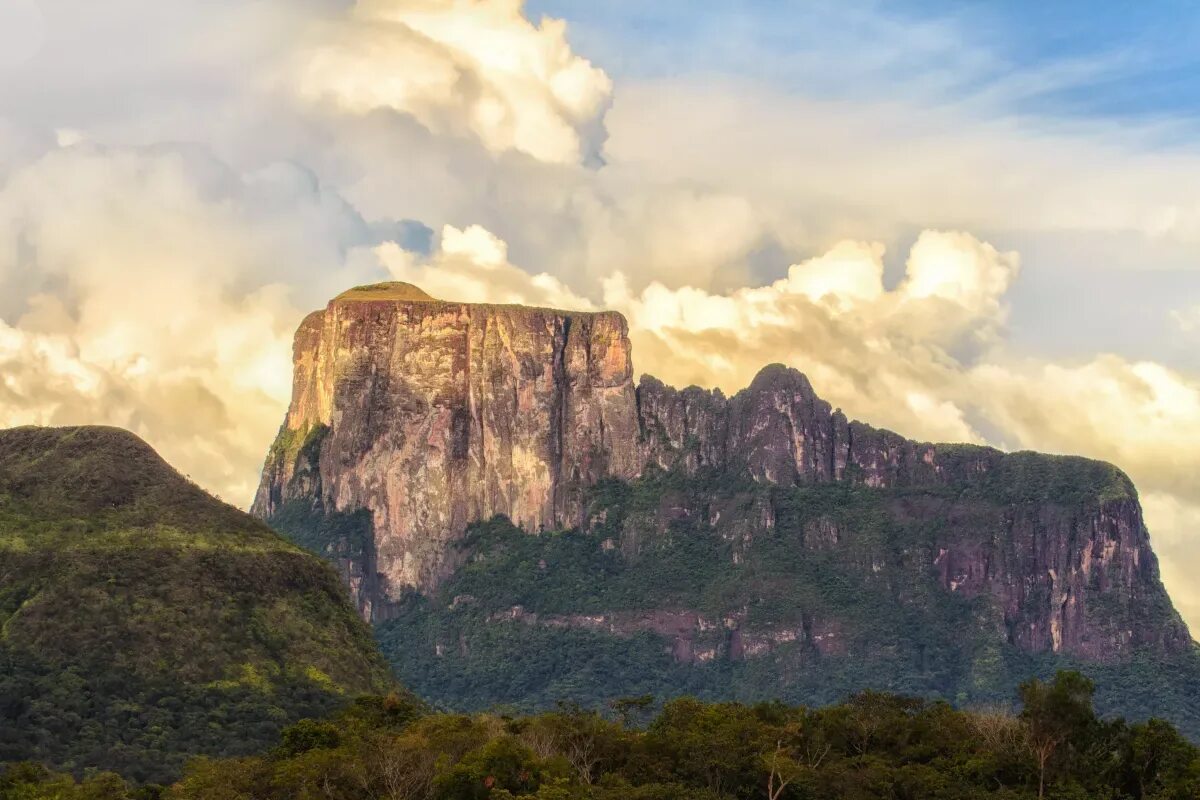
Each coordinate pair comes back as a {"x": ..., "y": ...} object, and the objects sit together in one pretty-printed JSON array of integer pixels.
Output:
[
  {"x": 871, "y": 746},
  {"x": 142, "y": 621}
]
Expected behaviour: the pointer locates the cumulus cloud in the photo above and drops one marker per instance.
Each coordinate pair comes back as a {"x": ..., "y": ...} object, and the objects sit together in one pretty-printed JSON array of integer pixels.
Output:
[
  {"x": 474, "y": 67},
  {"x": 156, "y": 285},
  {"x": 1173, "y": 523},
  {"x": 149, "y": 289},
  {"x": 471, "y": 266},
  {"x": 926, "y": 357},
  {"x": 1187, "y": 320}
]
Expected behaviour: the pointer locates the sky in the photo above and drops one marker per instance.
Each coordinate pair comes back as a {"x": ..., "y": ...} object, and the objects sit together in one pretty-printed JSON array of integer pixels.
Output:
[{"x": 964, "y": 221}]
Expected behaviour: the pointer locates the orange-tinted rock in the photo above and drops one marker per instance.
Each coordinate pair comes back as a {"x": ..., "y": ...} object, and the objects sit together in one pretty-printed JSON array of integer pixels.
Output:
[{"x": 432, "y": 415}]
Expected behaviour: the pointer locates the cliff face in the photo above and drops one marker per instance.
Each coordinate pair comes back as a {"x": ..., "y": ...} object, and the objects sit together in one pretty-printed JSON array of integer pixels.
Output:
[
  {"x": 432, "y": 416},
  {"x": 1058, "y": 543}
]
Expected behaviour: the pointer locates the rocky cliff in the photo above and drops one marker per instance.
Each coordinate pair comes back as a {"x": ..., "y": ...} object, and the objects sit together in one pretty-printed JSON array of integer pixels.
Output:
[
  {"x": 433, "y": 415},
  {"x": 424, "y": 416}
]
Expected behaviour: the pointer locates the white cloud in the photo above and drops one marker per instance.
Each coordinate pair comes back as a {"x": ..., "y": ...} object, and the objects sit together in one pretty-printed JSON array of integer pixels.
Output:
[
  {"x": 22, "y": 31},
  {"x": 1187, "y": 320},
  {"x": 1173, "y": 525},
  {"x": 471, "y": 266},
  {"x": 926, "y": 358},
  {"x": 157, "y": 287},
  {"x": 464, "y": 67},
  {"x": 148, "y": 289}
]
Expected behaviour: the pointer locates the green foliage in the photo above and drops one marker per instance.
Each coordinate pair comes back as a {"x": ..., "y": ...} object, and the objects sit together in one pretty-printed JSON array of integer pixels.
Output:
[
  {"x": 532, "y": 619},
  {"x": 334, "y": 535},
  {"x": 1026, "y": 477},
  {"x": 142, "y": 621},
  {"x": 873, "y": 747},
  {"x": 303, "y": 443}
]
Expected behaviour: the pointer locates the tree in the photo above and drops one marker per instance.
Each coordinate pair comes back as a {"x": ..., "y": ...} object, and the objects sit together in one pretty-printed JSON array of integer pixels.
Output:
[
  {"x": 1162, "y": 762},
  {"x": 632, "y": 710},
  {"x": 1056, "y": 714},
  {"x": 308, "y": 734},
  {"x": 800, "y": 749}
]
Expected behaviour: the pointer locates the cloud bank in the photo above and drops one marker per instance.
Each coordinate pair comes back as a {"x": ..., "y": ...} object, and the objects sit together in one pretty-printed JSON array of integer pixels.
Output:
[
  {"x": 180, "y": 182},
  {"x": 149, "y": 289},
  {"x": 464, "y": 67}
]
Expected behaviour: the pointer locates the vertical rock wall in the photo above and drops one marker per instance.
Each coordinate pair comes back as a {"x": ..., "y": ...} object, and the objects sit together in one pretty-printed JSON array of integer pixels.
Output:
[{"x": 432, "y": 415}]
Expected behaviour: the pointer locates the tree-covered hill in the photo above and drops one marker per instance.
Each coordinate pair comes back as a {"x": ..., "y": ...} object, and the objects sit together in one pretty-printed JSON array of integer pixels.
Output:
[{"x": 143, "y": 621}]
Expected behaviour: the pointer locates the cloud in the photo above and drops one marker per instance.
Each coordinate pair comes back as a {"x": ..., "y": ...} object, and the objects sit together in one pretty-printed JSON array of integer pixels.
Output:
[
  {"x": 1186, "y": 320},
  {"x": 471, "y": 266},
  {"x": 149, "y": 288},
  {"x": 883, "y": 163},
  {"x": 180, "y": 181},
  {"x": 461, "y": 67},
  {"x": 1173, "y": 524},
  {"x": 926, "y": 358},
  {"x": 22, "y": 31}
]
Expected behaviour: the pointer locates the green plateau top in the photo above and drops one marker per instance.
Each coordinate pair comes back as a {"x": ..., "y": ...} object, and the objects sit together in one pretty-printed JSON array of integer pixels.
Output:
[{"x": 388, "y": 290}]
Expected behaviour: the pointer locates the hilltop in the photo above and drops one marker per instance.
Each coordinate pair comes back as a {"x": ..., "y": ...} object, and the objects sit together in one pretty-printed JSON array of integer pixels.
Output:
[{"x": 143, "y": 621}]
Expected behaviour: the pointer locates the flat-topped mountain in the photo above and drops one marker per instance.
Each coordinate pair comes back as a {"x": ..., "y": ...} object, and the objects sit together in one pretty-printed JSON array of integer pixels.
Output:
[
  {"x": 144, "y": 621},
  {"x": 433, "y": 415},
  {"x": 762, "y": 543}
]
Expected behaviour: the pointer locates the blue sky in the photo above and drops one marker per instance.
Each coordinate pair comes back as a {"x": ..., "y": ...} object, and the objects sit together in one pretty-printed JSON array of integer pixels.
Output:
[
  {"x": 1127, "y": 70},
  {"x": 1119, "y": 61}
]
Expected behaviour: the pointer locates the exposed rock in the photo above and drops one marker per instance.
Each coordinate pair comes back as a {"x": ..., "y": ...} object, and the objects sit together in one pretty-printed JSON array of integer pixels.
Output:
[{"x": 433, "y": 415}]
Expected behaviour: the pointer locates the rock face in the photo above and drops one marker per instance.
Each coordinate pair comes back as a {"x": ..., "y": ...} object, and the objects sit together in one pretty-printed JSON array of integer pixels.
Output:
[{"x": 433, "y": 415}]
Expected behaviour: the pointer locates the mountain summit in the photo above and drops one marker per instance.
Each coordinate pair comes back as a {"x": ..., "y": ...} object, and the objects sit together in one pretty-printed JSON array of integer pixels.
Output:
[{"x": 762, "y": 543}]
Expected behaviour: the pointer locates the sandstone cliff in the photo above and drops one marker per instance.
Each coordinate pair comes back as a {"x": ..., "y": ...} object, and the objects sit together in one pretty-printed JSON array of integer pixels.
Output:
[{"x": 432, "y": 415}]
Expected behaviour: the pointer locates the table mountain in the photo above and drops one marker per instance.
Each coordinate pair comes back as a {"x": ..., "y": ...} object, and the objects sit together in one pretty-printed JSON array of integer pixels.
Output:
[
  {"x": 759, "y": 545},
  {"x": 143, "y": 621},
  {"x": 434, "y": 415}
]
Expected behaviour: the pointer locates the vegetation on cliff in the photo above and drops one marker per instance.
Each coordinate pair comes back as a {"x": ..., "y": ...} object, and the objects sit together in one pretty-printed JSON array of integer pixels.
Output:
[
  {"x": 871, "y": 746},
  {"x": 143, "y": 621},
  {"x": 837, "y": 592}
]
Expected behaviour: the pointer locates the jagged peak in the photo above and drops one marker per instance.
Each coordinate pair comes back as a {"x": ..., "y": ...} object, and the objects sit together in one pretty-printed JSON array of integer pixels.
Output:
[{"x": 780, "y": 376}]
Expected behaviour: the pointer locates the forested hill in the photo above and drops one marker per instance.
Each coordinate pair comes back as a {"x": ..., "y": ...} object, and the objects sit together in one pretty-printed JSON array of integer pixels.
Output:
[{"x": 143, "y": 621}]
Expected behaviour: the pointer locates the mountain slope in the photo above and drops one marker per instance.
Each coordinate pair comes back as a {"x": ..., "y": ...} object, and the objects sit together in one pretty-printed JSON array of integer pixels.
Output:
[
  {"x": 753, "y": 546},
  {"x": 142, "y": 620}
]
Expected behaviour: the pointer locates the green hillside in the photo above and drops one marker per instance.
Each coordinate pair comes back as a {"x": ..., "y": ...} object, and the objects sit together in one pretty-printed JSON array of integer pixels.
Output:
[{"x": 142, "y": 620}]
